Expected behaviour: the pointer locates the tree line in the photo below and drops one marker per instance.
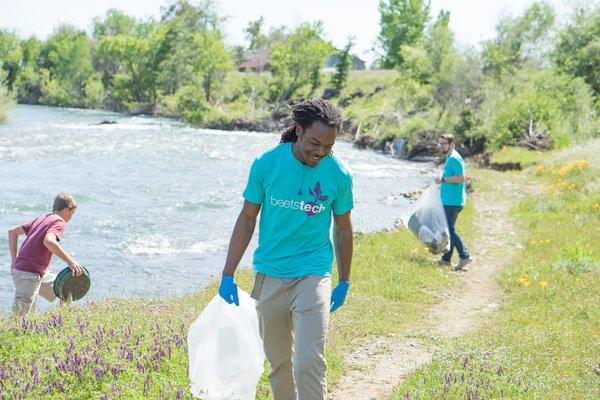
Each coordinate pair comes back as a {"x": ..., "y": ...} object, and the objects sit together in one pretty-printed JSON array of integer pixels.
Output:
[{"x": 535, "y": 80}]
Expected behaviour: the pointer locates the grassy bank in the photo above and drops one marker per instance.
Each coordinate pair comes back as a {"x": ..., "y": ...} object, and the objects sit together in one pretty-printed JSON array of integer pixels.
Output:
[
  {"x": 136, "y": 349},
  {"x": 543, "y": 342}
]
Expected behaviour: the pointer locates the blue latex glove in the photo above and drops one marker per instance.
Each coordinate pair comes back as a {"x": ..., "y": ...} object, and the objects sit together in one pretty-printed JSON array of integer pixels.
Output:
[
  {"x": 338, "y": 295},
  {"x": 228, "y": 290}
]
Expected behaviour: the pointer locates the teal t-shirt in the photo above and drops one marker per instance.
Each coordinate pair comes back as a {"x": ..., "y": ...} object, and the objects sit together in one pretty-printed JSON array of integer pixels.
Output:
[
  {"x": 297, "y": 205},
  {"x": 453, "y": 194}
]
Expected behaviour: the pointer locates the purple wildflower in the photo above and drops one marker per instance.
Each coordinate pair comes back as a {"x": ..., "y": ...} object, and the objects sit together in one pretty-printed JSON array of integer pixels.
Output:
[
  {"x": 98, "y": 373},
  {"x": 35, "y": 380},
  {"x": 465, "y": 361},
  {"x": 116, "y": 370},
  {"x": 141, "y": 367},
  {"x": 147, "y": 383},
  {"x": 179, "y": 342}
]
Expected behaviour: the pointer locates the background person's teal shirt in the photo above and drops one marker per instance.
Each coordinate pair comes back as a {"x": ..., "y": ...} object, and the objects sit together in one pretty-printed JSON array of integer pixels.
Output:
[
  {"x": 453, "y": 194},
  {"x": 297, "y": 205}
]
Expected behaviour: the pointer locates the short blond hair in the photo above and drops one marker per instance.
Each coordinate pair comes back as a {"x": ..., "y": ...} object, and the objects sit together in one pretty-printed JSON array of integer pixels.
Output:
[{"x": 62, "y": 201}]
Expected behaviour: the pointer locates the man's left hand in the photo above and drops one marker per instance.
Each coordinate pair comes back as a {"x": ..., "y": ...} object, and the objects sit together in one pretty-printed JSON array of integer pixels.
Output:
[{"x": 338, "y": 295}]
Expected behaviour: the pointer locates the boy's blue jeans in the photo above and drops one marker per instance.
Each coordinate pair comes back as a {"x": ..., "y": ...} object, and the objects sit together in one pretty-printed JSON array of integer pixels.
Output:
[{"x": 455, "y": 239}]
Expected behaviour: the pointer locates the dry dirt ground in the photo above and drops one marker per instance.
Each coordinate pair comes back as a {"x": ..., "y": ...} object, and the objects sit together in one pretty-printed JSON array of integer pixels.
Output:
[{"x": 379, "y": 364}]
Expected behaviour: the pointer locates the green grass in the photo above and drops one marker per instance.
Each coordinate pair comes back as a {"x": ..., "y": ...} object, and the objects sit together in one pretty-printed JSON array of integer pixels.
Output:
[
  {"x": 520, "y": 155},
  {"x": 138, "y": 346},
  {"x": 543, "y": 342}
]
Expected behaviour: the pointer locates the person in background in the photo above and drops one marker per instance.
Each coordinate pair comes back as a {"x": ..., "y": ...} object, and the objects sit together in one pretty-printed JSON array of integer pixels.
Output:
[
  {"x": 29, "y": 265},
  {"x": 454, "y": 196},
  {"x": 299, "y": 187}
]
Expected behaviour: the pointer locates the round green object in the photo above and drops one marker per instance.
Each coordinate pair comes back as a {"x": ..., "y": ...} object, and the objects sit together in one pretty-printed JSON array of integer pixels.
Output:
[{"x": 65, "y": 284}]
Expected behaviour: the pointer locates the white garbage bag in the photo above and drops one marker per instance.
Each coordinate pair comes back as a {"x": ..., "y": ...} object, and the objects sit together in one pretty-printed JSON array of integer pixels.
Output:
[
  {"x": 427, "y": 221},
  {"x": 226, "y": 350}
]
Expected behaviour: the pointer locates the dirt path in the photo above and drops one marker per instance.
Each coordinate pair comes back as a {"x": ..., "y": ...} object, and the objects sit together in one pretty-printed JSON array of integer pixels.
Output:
[{"x": 378, "y": 365}]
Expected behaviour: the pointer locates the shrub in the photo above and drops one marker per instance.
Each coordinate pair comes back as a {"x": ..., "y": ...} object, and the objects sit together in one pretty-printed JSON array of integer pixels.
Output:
[
  {"x": 192, "y": 104},
  {"x": 533, "y": 102}
]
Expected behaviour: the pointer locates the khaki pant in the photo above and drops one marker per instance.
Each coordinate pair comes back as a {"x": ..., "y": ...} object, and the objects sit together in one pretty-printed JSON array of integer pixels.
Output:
[
  {"x": 28, "y": 285},
  {"x": 294, "y": 310}
]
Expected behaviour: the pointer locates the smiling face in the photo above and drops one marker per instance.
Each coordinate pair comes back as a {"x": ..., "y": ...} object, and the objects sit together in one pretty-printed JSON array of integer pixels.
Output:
[{"x": 314, "y": 142}]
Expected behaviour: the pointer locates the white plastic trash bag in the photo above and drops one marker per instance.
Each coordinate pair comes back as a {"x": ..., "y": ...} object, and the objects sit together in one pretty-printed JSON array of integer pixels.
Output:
[
  {"x": 427, "y": 220},
  {"x": 226, "y": 351}
]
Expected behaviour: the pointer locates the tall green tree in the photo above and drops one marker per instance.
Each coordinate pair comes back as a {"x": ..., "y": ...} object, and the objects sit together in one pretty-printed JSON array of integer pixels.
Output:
[
  {"x": 297, "y": 61},
  {"x": 443, "y": 60},
  {"x": 339, "y": 78},
  {"x": 519, "y": 40},
  {"x": 66, "y": 56},
  {"x": 10, "y": 58},
  {"x": 134, "y": 84},
  {"x": 254, "y": 35},
  {"x": 5, "y": 99},
  {"x": 29, "y": 84},
  {"x": 402, "y": 24},
  {"x": 577, "y": 50},
  {"x": 114, "y": 23},
  {"x": 212, "y": 60},
  {"x": 181, "y": 21}
]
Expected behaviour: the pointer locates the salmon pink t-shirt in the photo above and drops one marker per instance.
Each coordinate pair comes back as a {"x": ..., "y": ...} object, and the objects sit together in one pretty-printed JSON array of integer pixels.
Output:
[{"x": 34, "y": 256}]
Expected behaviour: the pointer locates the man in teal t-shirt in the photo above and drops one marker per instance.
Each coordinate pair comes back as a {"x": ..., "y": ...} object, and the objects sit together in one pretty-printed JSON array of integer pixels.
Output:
[
  {"x": 454, "y": 196},
  {"x": 298, "y": 187}
]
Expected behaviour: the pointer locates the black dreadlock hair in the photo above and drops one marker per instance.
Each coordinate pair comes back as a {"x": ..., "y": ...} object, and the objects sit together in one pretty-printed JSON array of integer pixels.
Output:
[{"x": 308, "y": 111}]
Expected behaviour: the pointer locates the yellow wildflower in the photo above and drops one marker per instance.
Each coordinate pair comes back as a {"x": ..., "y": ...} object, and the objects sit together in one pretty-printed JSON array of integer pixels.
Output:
[
  {"x": 524, "y": 281},
  {"x": 594, "y": 332},
  {"x": 543, "y": 284}
]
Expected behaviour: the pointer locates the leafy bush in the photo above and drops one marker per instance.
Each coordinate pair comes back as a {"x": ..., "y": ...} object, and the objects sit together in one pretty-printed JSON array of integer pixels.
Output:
[
  {"x": 542, "y": 102},
  {"x": 5, "y": 100},
  {"x": 57, "y": 93},
  {"x": 94, "y": 92},
  {"x": 192, "y": 104}
]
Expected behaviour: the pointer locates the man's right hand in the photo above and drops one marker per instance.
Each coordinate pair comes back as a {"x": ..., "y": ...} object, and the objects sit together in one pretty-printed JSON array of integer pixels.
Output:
[
  {"x": 75, "y": 268},
  {"x": 228, "y": 290}
]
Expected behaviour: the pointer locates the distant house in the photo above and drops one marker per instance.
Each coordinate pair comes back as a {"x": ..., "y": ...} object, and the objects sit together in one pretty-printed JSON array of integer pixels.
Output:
[
  {"x": 255, "y": 62},
  {"x": 357, "y": 62}
]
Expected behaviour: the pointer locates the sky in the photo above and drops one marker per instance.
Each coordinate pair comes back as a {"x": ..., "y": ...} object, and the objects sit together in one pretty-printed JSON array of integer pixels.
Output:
[{"x": 471, "y": 20}]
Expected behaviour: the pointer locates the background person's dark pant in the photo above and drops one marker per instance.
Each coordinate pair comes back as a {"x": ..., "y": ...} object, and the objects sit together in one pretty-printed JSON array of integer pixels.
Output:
[{"x": 455, "y": 239}]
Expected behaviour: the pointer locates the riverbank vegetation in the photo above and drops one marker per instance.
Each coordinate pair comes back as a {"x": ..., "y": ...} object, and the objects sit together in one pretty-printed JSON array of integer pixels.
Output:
[
  {"x": 5, "y": 101},
  {"x": 535, "y": 84}
]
